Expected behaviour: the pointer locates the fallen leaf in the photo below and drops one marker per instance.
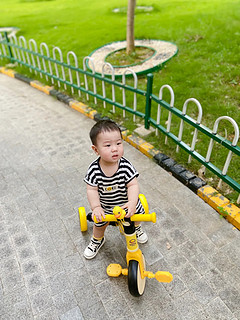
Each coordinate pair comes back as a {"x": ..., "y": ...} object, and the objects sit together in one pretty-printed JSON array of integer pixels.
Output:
[{"x": 168, "y": 245}]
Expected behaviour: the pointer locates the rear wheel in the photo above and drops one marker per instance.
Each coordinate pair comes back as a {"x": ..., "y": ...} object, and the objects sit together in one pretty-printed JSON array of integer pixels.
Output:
[
  {"x": 83, "y": 219},
  {"x": 136, "y": 284},
  {"x": 144, "y": 202}
]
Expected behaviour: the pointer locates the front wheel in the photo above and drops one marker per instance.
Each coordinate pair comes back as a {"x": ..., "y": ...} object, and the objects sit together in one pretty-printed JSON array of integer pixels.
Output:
[{"x": 136, "y": 284}]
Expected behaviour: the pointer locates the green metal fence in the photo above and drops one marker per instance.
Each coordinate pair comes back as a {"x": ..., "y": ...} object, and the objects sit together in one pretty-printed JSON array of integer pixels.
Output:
[{"x": 63, "y": 75}]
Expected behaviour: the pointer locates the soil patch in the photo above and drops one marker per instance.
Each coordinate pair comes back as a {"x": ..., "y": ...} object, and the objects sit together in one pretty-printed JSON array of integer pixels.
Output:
[{"x": 120, "y": 58}]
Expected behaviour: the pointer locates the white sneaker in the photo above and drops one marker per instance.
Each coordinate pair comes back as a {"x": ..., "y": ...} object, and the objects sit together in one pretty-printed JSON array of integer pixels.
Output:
[
  {"x": 141, "y": 235},
  {"x": 93, "y": 248}
]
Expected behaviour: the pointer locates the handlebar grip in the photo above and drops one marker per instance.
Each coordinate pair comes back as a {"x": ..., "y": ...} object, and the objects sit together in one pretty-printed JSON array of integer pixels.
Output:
[
  {"x": 144, "y": 217},
  {"x": 136, "y": 217}
]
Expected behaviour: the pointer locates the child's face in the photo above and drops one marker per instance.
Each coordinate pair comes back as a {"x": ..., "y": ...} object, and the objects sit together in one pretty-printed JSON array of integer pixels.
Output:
[{"x": 109, "y": 146}]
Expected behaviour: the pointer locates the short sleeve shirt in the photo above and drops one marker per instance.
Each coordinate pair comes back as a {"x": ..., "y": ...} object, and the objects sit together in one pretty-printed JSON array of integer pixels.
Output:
[{"x": 112, "y": 190}]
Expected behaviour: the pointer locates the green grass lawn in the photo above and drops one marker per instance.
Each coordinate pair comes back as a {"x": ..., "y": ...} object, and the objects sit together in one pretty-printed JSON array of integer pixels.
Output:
[{"x": 207, "y": 34}]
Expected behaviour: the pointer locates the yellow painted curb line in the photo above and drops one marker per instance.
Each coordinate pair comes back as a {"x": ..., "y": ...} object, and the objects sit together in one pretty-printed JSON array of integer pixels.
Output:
[
  {"x": 8, "y": 72},
  {"x": 135, "y": 141},
  {"x": 221, "y": 204},
  {"x": 38, "y": 85},
  {"x": 212, "y": 197},
  {"x": 124, "y": 135},
  {"x": 81, "y": 107},
  {"x": 142, "y": 145},
  {"x": 145, "y": 147}
]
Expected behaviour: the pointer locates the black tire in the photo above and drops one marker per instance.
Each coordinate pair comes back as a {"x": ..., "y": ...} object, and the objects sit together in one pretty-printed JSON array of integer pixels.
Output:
[{"x": 136, "y": 284}]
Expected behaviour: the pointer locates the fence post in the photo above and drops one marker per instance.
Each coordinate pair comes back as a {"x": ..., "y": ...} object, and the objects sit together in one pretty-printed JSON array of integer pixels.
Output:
[
  {"x": 9, "y": 47},
  {"x": 148, "y": 99}
]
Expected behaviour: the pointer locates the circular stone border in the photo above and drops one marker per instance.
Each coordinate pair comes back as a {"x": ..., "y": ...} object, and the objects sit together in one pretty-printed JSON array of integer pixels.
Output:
[{"x": 164, "y": 51}]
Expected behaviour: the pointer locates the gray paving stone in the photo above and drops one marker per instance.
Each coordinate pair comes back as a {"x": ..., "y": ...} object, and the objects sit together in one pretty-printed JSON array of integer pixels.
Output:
[
  {"x": 181, "y": 221},
  {"x": 30, "y": 267},
  {"x": 148, "y": 314},
  {"x": 188, "y": 274},
  {"x": 9, "y": 265},
  {"x": 177, "y": 236},
  {"x": 65, "y": 211},
  {"x": 41, "y": 301},
  {"x": 164, "y": 243},
  {"x": 188, "y": 249},
  {"x": 12, "y": 281},
  {"x": 215, "y": 279},
  {"x": 21, "y": 240},
  {"x": 221, "y": 261},
  {"x": 202, "y": 292},
  {"x": 231, "y": 297},
  {"x": 100, "y": 265},
  {"x": 207, "y": 247},
  {"x": 64, "y": 243},
  {"x": 201, "y": 263},
  {"x": 72, "y": 224},
  {"x": 53, "y": 265},
  {"x": 223, "y": 235},
  {"x": 96, "y": 312},
  {"x": 26, "y": 253},
  {"x": 107, "y": 290},
  {"x": 49, "y": 314},
  {"x": 233, "y": 251},
  {"x": 118, "y": 309},
  {"x": 22, "y": 311},
  {"x": 51, "y": 216},
  {"x": 151, "y": 254},
  {"x": 35, "y": 282},
  {"x": 175, "y": 260},
  {"x": 58, "y": 283},
  {"x": 73, "y": 263},
  {"x": 233, "y": 276},
  {"x": 79, "y": 279},
  {"x": 218, "y": 310},
  {"x": 64, "y": 302},
  {"x": 187, "y": 305},
  {"x": 194, "y": 235},
  {"x": 73, "y": 314},
  {"x": 176, "y": 288}
]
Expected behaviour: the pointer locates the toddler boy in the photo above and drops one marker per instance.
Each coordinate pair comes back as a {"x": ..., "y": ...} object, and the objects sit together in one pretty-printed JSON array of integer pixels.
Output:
[{"x": 111, "y": 181}]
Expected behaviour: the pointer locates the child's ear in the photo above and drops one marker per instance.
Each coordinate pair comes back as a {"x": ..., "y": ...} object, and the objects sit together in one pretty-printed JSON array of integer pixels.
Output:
[{"x": 94, "y": 148}]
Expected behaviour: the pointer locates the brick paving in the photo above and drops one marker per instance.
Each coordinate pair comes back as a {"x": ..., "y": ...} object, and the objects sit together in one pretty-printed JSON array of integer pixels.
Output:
[{"x": 44, "y": 154}]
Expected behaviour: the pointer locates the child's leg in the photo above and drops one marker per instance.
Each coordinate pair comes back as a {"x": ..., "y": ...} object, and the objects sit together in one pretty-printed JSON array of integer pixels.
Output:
[
  {"x": 98, "y": 232},
  {"x": 141, "y": 235},
  {"x": 96, "y": 242}
]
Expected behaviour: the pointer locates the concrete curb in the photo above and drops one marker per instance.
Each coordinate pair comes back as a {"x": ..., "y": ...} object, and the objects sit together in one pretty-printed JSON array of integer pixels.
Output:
[{"x": 210, "y": 195}]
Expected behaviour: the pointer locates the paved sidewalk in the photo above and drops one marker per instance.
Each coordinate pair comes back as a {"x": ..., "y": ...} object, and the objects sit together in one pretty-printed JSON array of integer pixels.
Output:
[{"x": 44, "y": 154}]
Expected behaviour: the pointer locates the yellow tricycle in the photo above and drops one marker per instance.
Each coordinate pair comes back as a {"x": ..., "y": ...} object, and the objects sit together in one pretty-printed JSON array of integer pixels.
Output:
[{"x": 135, "y": 270}]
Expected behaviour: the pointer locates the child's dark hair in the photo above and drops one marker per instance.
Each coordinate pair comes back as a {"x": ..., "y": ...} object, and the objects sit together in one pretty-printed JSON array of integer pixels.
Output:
[{"x": 102, "y": 126}]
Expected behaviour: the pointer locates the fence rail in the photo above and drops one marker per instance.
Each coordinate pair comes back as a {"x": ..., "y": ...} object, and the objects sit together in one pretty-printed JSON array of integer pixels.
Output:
[{"x": 61, "y": 73}]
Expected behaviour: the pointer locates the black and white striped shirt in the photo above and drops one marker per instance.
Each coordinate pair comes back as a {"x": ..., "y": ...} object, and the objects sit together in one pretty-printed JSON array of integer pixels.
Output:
[{"x": 112, "y": 190}]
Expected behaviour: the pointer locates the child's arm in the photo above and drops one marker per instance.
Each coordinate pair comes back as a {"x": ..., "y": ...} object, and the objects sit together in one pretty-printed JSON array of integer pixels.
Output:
[
  {"x": 133, "y": 193},
  {"x": 94, "y": 201}
]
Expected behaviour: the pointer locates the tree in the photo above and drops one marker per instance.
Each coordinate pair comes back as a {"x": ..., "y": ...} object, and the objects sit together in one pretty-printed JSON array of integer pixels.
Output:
[{"x": 130, "y": 26}]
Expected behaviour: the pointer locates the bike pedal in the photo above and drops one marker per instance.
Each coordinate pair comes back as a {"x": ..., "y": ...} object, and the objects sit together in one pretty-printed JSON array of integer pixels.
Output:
[{"x": 114, "y": 270}]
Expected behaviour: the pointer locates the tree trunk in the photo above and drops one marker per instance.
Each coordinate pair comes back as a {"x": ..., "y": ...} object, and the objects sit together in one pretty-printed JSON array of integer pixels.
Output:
[{"x": 130, "y": 26}]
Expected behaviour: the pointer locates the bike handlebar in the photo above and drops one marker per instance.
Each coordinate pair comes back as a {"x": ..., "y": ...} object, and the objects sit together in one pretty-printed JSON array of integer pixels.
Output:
[{"x": 150, "y": 217}]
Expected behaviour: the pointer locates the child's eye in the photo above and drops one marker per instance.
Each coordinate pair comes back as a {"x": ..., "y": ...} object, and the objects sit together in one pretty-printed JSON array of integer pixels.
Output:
[{"x": 119, "y": 143}]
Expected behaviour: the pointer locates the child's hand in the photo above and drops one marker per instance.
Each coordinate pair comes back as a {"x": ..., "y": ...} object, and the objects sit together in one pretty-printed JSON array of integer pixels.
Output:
[
  {"x": 131, "y": 207},
  {"x": 98, "y": 213}
]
